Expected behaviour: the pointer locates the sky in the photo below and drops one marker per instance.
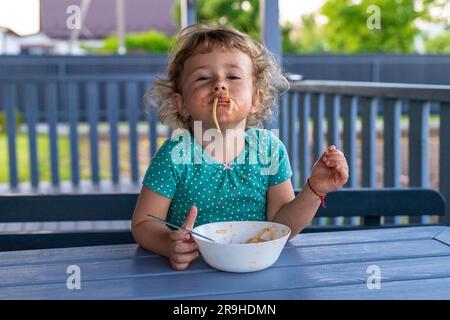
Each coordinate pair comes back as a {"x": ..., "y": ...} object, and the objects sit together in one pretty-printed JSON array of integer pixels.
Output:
[
  {"x": 292, "y": 10},
  {"x": 22, "y": 16}
]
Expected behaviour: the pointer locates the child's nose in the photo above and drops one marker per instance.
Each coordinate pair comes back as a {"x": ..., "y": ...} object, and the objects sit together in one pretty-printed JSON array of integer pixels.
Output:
[{"x": 219, "y": 87}]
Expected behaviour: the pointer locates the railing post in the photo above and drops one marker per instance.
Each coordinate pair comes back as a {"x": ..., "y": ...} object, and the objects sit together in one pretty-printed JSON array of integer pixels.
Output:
[
  {"x": 73, "y": 104},
  {"x": 112, "y": 99},
  {"x": 418, "y": 147},
  {"x": 188, "y": 13},
  {"x": 305, "y": 154},
  {"x": 369, "y": 140},
  {"x": 392, "y": 148},
  {"x": 10, "y": 97},
  {"x": 51, "y": 101},
  {"x": 418, "y": 144},
  {"x": 132, "y": 111},
  {"x": 31, "y": 107},
  {"x": 318, "y": 114},
  {"x": 333, "y": 122},
  {"x": 271, "y": 38},
  {"x": 444, "y": 158},
  {"x": 318, "y": 138},
  {"x": 92, "y": 102},
  {"x": 283, "y": 124},
  {"x": 392, "y": 137},
  {"x": 349, "y": 115},
  {"x": 152, "y": 132},
  {"x": 295, "y": 138},
  {"x": 369, "y": 151}
]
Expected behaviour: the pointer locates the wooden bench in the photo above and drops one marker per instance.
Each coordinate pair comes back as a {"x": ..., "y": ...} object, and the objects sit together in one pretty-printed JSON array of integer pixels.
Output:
[
  {"x": 61, "y": 208},
  {"x": 370, "y": 204}
]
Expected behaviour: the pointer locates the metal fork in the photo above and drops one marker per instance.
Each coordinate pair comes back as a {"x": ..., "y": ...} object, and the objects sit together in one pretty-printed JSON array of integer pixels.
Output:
[{"x": 178, "y": 227}]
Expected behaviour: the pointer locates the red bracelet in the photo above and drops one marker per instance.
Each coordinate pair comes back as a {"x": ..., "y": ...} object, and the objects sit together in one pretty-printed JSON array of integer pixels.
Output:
[{"x": 322, "y": 197}]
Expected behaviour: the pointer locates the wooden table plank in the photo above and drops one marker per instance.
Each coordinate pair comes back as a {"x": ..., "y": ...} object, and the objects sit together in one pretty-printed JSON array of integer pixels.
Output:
[
  {"x": 334, "y": 265},
  {"x": 444, "y": 236},
  {"x": 126, "y": 251},
  {"x": 68, "y": 255},
  {"x": 423, "y": 289},
  {"x": 128, "y": 272},
  {"x": 291, "y": 256},
  {"x": 371, "y": 235},
  {"x": 202, "y": 284}
]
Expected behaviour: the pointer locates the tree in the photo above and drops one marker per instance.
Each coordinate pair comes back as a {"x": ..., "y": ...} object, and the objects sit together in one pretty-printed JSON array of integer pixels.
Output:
[
  {"x": 438, "y": 44},
  {"x": 151, "y": 41},
  {"x": 310, "y": 38},
  {"x": 242, "y": 15},
  {"x": 289, "y": 44},
  {"x": 350, "y": 29}
]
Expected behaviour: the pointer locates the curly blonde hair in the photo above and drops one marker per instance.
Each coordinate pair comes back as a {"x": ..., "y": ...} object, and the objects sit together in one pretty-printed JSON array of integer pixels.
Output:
[{"x": 200, "y": 38}]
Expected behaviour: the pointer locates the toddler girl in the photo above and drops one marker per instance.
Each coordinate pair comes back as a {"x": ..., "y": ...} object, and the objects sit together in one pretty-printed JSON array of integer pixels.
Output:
[{"x": 219, "y": 164}]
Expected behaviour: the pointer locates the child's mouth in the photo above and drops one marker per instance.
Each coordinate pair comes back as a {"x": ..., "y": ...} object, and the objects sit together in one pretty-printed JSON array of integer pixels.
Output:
[{"x": 222, "y": 101}]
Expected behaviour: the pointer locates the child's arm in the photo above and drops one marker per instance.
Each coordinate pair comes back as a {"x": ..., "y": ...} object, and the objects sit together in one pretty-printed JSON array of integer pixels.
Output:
[
  {"x": 286, "y": 208},
  {"x": 177, "y": 245},
  {"x": 329, "y": 173}
]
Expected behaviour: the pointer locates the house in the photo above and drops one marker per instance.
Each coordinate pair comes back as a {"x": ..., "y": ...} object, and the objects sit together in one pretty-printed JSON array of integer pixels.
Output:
[
  {"x": 8, "y": 41},
  {"x": 98, "y": 21}
]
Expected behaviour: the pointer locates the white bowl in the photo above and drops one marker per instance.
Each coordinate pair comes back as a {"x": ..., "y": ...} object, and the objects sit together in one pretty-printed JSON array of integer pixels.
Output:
[{"x": 231, "y": 253}]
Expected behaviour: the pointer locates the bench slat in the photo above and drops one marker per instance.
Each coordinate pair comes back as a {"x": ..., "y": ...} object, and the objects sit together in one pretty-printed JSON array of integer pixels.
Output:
[{"x": 67, "y": 207}]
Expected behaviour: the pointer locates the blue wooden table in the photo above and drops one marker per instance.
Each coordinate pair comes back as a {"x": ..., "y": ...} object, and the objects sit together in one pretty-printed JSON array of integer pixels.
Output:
[{"x": 414, "y": 263}]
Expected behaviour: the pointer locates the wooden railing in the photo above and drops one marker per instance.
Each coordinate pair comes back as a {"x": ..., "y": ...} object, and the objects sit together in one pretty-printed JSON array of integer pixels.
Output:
[
  {"x": 355, "y": 116},
  {"x": 350, "y": 111}
]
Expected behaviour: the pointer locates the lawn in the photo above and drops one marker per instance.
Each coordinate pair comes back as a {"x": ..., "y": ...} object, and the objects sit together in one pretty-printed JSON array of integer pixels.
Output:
[
  {"x": 44, "y": 164},
  {"x": 23, "y": 157}
]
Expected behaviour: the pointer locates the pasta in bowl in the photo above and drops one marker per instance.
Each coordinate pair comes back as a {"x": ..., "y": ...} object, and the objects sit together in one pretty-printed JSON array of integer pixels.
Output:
[{"x": 242, "y": 246}]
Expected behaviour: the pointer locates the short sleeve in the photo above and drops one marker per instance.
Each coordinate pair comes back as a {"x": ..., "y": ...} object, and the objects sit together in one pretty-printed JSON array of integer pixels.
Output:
[
  {"x": 279, "y": 167},
  {"x": 162, "y": 176}
]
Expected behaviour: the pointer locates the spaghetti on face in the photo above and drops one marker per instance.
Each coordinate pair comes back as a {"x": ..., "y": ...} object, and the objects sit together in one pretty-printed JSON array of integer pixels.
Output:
[
  {"x": 231, "y": 106},
  {"x": 260, "y": 236}
]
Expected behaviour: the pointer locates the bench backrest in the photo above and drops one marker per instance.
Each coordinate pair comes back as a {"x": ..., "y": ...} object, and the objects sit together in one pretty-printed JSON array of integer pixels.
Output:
[
  {"x": 65, "y": 207},
  {"x": 370, "y": 204}
]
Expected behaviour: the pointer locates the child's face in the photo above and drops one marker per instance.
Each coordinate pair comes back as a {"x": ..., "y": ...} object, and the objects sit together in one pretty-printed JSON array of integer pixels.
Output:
[{"x": 206, "y": 75}]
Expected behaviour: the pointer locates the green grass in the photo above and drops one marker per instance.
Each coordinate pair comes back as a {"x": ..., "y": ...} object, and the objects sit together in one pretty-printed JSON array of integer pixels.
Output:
[
  {"x": 44, "y": 164},
  {"x": 23, "y": 157}
]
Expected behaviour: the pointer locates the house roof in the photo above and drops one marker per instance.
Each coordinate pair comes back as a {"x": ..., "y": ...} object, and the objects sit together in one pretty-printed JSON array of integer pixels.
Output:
[
  {"x": 100, "y": 20},
  {"x": 7, "y": 30}
]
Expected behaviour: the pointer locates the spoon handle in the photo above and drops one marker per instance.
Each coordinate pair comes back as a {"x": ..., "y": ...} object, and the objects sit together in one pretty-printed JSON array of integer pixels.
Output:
[{"x": 178, "y": 227}]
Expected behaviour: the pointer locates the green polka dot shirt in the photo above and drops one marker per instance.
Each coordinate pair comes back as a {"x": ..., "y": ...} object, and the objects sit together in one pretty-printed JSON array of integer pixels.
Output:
[{"x": 184, "y": 172}]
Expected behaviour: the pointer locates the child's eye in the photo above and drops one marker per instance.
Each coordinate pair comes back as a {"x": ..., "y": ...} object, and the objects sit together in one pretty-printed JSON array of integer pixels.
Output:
[
  {"x": 233, "y": 77},
  {"x": 203, "y": 78}
]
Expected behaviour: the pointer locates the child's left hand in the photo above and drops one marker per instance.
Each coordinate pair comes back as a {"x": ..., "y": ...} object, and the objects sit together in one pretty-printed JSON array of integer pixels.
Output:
[{"x": 330, "y": 172}]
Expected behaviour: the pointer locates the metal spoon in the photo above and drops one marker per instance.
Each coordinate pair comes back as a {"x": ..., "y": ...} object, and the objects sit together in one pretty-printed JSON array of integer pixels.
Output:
[{"x": 178, "y": 227}]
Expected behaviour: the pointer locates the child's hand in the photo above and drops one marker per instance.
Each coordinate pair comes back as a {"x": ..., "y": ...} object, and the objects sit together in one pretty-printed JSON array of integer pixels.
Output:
[
  {"x": 330, "y": 172},
  {"x": 183, "y": 249}
]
